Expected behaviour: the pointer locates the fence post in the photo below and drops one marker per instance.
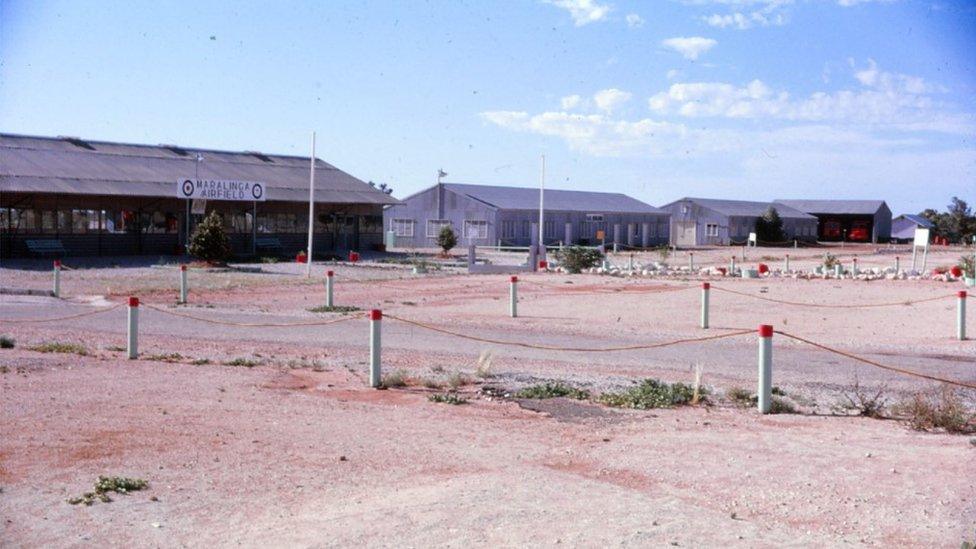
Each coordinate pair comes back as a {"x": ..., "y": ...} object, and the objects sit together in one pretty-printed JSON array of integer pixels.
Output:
[
  {"x": 787, "y": 263},
  {"x": 57, "y": 278},
  {"x": 375, "y": 374},
  {"x": 329, "y": 275},
  {"x": 133, "y": 331},
  {"x": 744, "y": 253},
  {"x": 897, "y": 264},
  {"x": 183, "y": 285},
  {"x": 837, "y": 270},
  {"x": 513, "y": 296},
  {"x": 854, "y": 268},
  {"x": 691, "y": 261},
  {"x": 961, "y": 316},
  {"x": 732, "y": 266},
  {"x": 765, "y": 392},
  {"x": 706, "y": 287},
  {"x": 795, "y": 246}
]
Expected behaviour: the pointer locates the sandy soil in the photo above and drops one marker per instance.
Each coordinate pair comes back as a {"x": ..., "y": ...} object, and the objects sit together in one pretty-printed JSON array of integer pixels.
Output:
[{"x": 296, "y": 451}]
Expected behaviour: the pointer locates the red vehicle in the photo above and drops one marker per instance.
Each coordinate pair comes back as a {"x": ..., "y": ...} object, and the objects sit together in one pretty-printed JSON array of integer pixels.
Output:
[
  {"x": 860, "y": 232},
  {"x": 832, "y": 230}
]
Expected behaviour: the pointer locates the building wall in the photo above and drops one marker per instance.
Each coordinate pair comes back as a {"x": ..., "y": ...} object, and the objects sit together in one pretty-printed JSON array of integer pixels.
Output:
[
  {"x": 583, "y": 229},
  {"x": 727, "y": 230},
  {"x": 882, "y": 222},
  {"x": 439, "y": 203}
]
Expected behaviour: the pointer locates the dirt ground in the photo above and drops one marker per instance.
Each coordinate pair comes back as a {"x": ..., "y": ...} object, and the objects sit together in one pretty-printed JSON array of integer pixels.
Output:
[{"x": 289, "y": 447}]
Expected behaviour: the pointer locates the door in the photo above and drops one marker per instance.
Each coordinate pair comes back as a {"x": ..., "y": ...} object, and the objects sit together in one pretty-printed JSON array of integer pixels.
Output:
[{"x": 685, "y": 234}]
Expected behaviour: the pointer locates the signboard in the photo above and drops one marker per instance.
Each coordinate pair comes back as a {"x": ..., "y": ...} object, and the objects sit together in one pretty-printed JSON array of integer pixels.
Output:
[
  {"x": 220, "y": 189},
  {"x": 921, "y": 236},
  {"x": 198, "y": 206},
  {"x": 752, "y": 239}
]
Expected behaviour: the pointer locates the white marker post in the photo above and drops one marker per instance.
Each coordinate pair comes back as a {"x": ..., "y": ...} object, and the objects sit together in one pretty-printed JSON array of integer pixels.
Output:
[
  {"x": 897, "y": 264},
  {"x": 513, "y": 296},
  {"x": 706, "y": 287},
  {"x": 329, "y": 277},
  {"x": 732, "y": 266},
  {"x": 133, "y": 332},
  {"x": 183, "y": 286},
  {"x": 691, "y": 261},
  {"x": 837, "y": 271},
  {"x": 961, "y": 316},
  {"x": 375, "y": 321},
  {"x": 765, "y": 392},
  {"x": 854, "y": 268},
  {"x": 787, "y": 266},
  {"x": 57, "y": 278}
]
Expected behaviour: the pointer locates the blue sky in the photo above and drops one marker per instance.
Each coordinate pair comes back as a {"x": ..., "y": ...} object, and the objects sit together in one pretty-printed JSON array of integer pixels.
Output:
[{"x": 752, "y": 99}]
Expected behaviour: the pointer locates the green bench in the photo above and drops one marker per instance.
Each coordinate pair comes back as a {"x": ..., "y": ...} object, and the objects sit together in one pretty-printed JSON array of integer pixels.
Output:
[
  {"x": 268, "y": 245},
  {"x": 46, "y": 247}
]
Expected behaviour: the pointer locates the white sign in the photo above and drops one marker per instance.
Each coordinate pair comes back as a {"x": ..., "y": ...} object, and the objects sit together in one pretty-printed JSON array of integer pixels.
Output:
[
  {"x": 198, "y": 206},
  {"x": 921, "y": 237},
  {"x": 752, "y": 238},
  {"x": 220, "y": 189}
]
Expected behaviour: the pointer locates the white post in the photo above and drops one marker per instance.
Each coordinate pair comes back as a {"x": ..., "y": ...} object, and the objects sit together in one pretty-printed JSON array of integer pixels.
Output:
[
  {"x": 691, "y": 261},
  {"x": 631, "y": 265},
  {"x": 329, "y": 276},
  {"x": 513, "y": 296},
  {"x": 787, "y": 263},
  {"x": 765, "y": 392},
  {"x": 706, "y": 287},
  {"x": 732, "y": 266},
  {"x": 961, "y": 316},
  {"x": 375, "y": 320},
  {"x": 914, "y": 257},
  {"x": 133, "y": 331},
  {"x": 311, "y": 208},
  {"x": 795, "y": 246},
  {"x": 183, "y": 285},
  {"x": 837, "y": 270},
  {"x": 57, "y": 278},
  {"x": 897, "y": 264},
  {"x": 854, "y": 268}
]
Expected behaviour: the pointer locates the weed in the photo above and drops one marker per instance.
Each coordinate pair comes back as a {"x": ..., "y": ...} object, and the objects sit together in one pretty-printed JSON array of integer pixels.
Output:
[
  {"x": 575, "y": 259},
  {"x": 166, "y": 357},
  {"x": 652, "y": 393},
  {"x": 740, "y": 396},
  {"x": 552, "y": 389},
  {"x": 268, "y": 259},
  {"x": 941, "y": 410},
  {"x": 829, "y": 260},
  {"x": 396, "y": 378},
  {"x": 7, "y": 342},
  {"x": 865, "y": 403},
  {"x": 457, "y": 380},
  {"x": 245, "y": 362},
  {"x": 334, "y": 309},
  {"x": 770, "y": 258},
  {"x": 200, "y": 361},
  {"x": 483, "y": 369},
  {"x": 115, "y": 348},
  {"x": 105, "y": 485},
  {"x": 447, "y": 398},
  {"x": 781, "y": 406},
  {"x": 431, "y": 383},
  {"x": 409, "y": 303},
  {"x": 58, "y": 347},
  {"x": 777, "y": 391}
]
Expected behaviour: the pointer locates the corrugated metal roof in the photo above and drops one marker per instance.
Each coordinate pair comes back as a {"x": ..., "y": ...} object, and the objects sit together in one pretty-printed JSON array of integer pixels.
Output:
[
  {"x": 522, "y": 198},
  {"x": 918, "y": 220},
  {"x": 44, "y": 164},
  {"x": 744, "y": 208},
  {"x": 839, "y": 207}
]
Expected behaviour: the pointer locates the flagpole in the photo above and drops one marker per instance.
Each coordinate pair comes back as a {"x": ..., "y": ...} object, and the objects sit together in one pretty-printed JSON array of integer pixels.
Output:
[
  {"x": 311, "y": 208},
  {"x": 542, "y": 192}
]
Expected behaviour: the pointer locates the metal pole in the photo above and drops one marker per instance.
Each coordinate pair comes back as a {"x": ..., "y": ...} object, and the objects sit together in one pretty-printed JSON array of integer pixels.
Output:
[
  {"x": 765, "y": 392},
  {"x": 57, "y": 278},
  {"x": 732, "y": 266},
  {"x": 311, "y": 208},
  {"x": 513, "y": 296},
  {"x": 375, "y": 320},
  {"x": 133, "y": 331},
  {"x": 787, "y": 263},
  {"x": 329, "y": 275},
  {"x": 897, "y": 264},
  {"x": 254, "y": 228},
  {"x": 706, "y": 287},
  {"x": 854, "y": 268},
  {"x": 691, "y": 261},
  {"x": 542, "y": 192},
  {"x": 961, "y": 316},
  {"x": 183, "y": 285}
]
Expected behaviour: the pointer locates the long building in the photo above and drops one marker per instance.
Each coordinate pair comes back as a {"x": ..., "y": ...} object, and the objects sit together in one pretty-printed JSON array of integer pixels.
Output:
[
  {"x": 101, "y": 198},
  {"x": 847, "y": 220},
  {"x": 717, "y": 222},
  {"x": 490, "y": 215}
]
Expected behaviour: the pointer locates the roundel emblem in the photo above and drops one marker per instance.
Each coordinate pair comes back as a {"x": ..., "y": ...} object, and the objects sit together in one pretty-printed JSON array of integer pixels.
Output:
[
  {"x": 257, "y": 191},
  {"x": 187, "y": 188}
]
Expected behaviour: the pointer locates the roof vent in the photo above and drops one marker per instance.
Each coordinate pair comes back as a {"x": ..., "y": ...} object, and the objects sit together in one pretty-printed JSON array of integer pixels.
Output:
[
  {"x": 77, "y": 142},
  {"x": 179, "y": 151},
  {"x": 260, "y": 156}
]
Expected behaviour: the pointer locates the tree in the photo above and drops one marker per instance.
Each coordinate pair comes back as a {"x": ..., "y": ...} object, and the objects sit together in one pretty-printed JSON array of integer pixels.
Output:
[
  {"x": 769, "y": 227},
  {"x": 958, "y": 224},
  {"x": 576, "y": 258},
  {"x": 209, "y": 241},
  {"x": 446, "y": 239}
]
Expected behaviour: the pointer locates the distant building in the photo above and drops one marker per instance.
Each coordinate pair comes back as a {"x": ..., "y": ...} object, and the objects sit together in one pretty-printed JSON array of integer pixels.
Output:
[
  {"x": 490, "y": 215},
  {"x": 850, "y": 220},
  {"x": 903, "y": 227},
  {"x": 716, "y": 222}
]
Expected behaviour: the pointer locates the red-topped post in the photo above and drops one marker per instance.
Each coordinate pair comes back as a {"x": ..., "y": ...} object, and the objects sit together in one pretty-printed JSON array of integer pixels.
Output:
[
  {"x": 513, "y": 296},
  {"x": 329, "y": 289},
  {"x": 961, "y": 316},
  {"x": 765, "y": 392},
  {"x": 706, "y": 288},
  {"x": 57, "y": 278},
  {"x": 133, "y": 328},
  {"x": 375, "y": 373}
]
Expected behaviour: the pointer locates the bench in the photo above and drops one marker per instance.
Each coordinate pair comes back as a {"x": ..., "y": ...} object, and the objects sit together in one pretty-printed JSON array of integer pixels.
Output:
[
  {"x": 268, "y": 244},
  {"x": 46, "y": 247}
]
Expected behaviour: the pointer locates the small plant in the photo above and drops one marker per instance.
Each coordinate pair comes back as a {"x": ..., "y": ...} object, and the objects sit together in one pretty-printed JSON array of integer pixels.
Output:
[
  {"x": 777, "y": 391},
  {"x": 483, "y": 368},
  {"x": 457, "y": 380},
  {"x": 431, "y": 383},
  {"x": 269, "y": 259},
  {"x": 209, "y": 240},
  {"x": 396, "y": 378},
  {"x": 865, "y": 403},
  {"x": 7, "y": 342},
  {"x": 740, "y": 396},
  {"x": 577, "y": 258},
  {"x": 830, "y": 260},
  {"x": 968, "y": 265},
  {"x": 106, "y": 485},
  {"x": 942, "y": 410},
  {"x": 245, "y": 362},
  {"x": 663, "y": 252},
  {"x": 115, "y": 348},
  {"x": 166, "y": 357},
  {"x": 58, "y": 347},
  {"x": 200, "y": 361},
  {"x": 448, "y": 398},
  {"x": 651, "y": 393},
  {"x": 781, "y": 406},
  {"x": 343, "y": 309},
  {"x": 552, "y": 389},
  {"x": 446, "y": 239}
]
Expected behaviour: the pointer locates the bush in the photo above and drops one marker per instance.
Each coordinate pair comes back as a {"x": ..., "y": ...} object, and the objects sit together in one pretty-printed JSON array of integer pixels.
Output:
[
  {"x": 7, "y": 342},
  {"x": 968, "y": 266},
  {"x": 651, "y": 393},
  {"x": 446, "y": 239},
  {"x": 769, "y": 227},
  {"x": 576, "y": 258},
  {"x": 209, "y": 241},
  {"x": 552, "y": 389},
  {"x": 941, "y": 410},
  {"x": 448, "y": 398},
  {"x": 58, "y": 347},
  {"x": 396, "y": 378}
]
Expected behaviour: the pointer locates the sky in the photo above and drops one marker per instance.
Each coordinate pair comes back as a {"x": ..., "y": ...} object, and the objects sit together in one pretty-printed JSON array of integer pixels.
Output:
[{"x": 744, "y": 99}]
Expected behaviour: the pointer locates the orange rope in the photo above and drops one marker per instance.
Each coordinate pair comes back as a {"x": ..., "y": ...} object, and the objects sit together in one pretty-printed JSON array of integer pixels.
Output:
[
  {"x": 255, "y": 324},
  {"x": 88, "y": 313},
  {"x": 831, "y": 306}
]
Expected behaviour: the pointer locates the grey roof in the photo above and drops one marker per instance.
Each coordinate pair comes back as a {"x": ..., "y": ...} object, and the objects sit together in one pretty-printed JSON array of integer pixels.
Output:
[
  {"x": 918, "y": 220},
  {"x": 46, "y": 164},
  {"x": 840, "y": 207},
  {"x": 744, "y": 208},
  {"x": 523, "y": 198}
]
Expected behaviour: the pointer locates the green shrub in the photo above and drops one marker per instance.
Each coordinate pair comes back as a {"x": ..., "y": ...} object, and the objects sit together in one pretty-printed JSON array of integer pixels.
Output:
[
  {"x": 968, "y": 266},
  {"x": 552, "y": 389},
  {"x": 769, "y": 227},
  {"x": 447, "y": 398},
  {"x": 740, "y": 396},
  {"x": 7, "y": 342},
  {"x": 446, "y": 239},
  {"x": 209, "y": 241},
  {"x": 781, "y": 406},
  {"x": 652, "y": 393},
  {"x": 105, "y": 485},
  {"x": 576, "y": 258},
  {"x": 334, "y": 309},
  {"x": 396, "y": 378},
  {"x": 58, "y": 347},
  {"x": 245, "y": 362}
]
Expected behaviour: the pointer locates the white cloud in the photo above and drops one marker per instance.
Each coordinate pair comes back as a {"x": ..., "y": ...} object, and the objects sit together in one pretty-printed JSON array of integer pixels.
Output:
[
  {"x": 570, "y": 102},
  {"x": 583, "y": 11},
  {"x": 743, "y": 21},
  {"x": 689, "y": 47},
  {"x": 673, "y": 73},
  {"x": 634, "y": 20},
  {"x": 609, "y": 99}
]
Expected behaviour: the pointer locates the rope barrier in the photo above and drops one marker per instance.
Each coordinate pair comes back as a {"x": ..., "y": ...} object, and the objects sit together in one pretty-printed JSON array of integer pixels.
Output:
[
  {"x": 878, "y": 364},
  {"x": 70, "y": 317},
  {"x": 829, "y": 305},
  {"x": 570, "y": 349},
  {"x": 254, "y": 324}
]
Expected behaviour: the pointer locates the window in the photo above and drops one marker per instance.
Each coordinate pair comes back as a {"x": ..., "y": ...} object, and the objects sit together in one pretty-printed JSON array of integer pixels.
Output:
[
  {"x": 549, "y": 229},
  {"x": 23, "y": 221},
  {"x": 526, "y": 229},
  {"x": 369, "y": 225},
  {"x": 711, "y": 229},
  {"x": 115, "y": 221},
  {"x": 159, "y": 222},
  {"x": 402, "y": 227},
  {"x": 475, "y": 229},
  {"x": 84, "y": 221},
  {"x": 508, "y": 229},
  {"x": 435, "y": 226}
]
